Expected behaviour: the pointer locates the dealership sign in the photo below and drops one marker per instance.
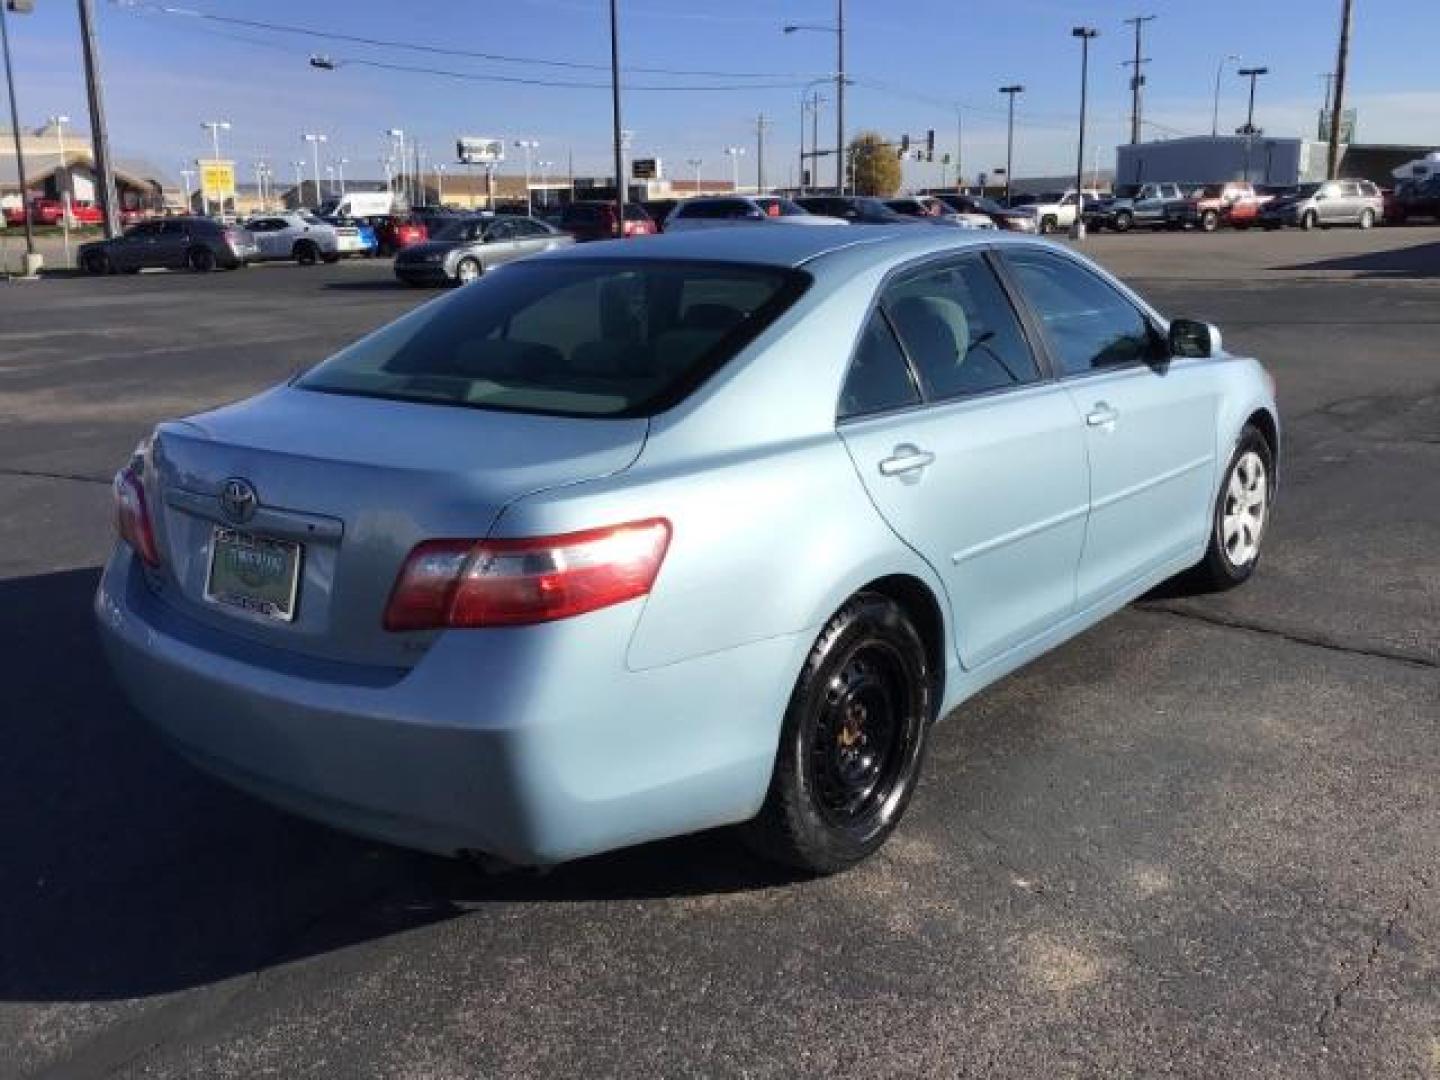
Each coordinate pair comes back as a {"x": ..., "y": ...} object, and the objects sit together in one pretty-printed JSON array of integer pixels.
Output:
[
  {"x": 473, "y": 150},
  {"x": 217, "y": 179}
]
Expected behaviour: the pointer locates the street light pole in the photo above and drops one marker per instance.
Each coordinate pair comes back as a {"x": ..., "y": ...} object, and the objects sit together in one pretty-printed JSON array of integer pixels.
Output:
[
  {"x": 33, "y": 260},
  {"x": 1085, "y": 34},
  {"x": 840, "y": 97},
  {"x": 99, "y": 134},
  {"x": 315, "y": 140},
  {"x": 299, "y": 183},
  {"x": 1215, "y": 108},
  {"x": 1137, "y": 80},
  {"x": 735, "y": 153},
  {"x": 1252, "y": 74},
  {"x": 215, "y": 127},
  {"x": 529, "y": 146},
  {"x": 58, "y": 123},
  {"x": 1010, "y": 92},
  {"x": 340, "y": 164},
  {"x": 185, "y": 175},
  {"x": 615, "y": 131},
  {"x": 695, "y": 164}
]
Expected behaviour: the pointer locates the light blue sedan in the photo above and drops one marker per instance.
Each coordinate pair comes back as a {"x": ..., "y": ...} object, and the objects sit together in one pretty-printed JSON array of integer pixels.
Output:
[{"x": 639, "y": 538}]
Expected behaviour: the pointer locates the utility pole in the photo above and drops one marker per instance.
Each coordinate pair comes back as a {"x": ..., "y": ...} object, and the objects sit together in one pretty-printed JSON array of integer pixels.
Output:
[
  {"x": 1085, "y": 34},
  {"x": 615, "y": 118},
  {"x": 761, "y": 123},
  {"x": 959, "y": 142},
  {"x": 99, "y": 134},
  {"x": 33, "y": 260},
  {"x": 1337, "y": 105},
  {"x": 1010, "y": 92},
  {"x": 1137, "y": 79},
  {"x": 840, "y": 97}
]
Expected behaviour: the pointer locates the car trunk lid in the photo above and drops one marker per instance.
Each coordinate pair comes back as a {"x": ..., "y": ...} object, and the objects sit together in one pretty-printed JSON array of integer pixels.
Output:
[{"x": 356, "y": 482}]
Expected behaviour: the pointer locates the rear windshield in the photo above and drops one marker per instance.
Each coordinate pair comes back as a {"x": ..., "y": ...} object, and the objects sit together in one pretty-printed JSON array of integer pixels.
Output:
[{"x": 571, "y": 338}]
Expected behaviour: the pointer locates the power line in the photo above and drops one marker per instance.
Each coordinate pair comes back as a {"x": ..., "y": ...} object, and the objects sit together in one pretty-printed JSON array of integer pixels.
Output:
[{"x": 441, "y": 50}]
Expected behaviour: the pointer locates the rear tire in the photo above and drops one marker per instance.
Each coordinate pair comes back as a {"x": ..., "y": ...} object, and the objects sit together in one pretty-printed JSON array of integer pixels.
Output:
[
  {"x": 852, "y": 742},
  {"x": 97, "y": 263},
  {"x": 200, "y": 259},
  {"x": 1209, "y": 221},
  {"x": 1241, "y": 515},
  {"x": 1124, "y": 221},
  {"x": 1367, "y": 219},
  {"x": 306, "y": 253},
  {"x": 1048, "y": 225},
  {"x": 1309, "y": 220}
]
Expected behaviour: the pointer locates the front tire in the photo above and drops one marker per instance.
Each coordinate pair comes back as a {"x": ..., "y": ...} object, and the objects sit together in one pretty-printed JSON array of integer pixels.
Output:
[
  {"x": 1310, "y": 220},
  {"x": 98, "y": 263},
  {"x": 1209, "y": 221},
  {"x": 852, "y": 742},
  {"x": 1241, "y": 514},
  {"x": 1124, "y": 221},
  {"x": 306, "y": 253},
  {"x": 1048, "y": 225},
  {"x": 1367, "y": 219}
]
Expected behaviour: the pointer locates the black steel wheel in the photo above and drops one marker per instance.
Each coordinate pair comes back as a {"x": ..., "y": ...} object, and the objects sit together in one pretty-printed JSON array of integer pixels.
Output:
[{"x": 852, "y": 742}]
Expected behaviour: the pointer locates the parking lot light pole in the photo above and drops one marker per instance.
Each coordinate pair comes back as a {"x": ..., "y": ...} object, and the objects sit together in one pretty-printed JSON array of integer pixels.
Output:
[
  {"x": 1252, "y": 74},
  {"x": 617, "y": 132},
  {"x": 340, "y": 164},
  {"x": 735, "y": 153},
  {"x": 839, "y": 31},
  {"x": 299, "y": 183},
  {"x": 185, "y": 175},
  {"x": 1010, "y": 92},
  {"x": 33, "y": 260},
  {"x": 315, "y": 139},
  {"x": 1232, "y": 58},
  {"x": 529, "y": 146},
  {"x": 545, "y": 167},
  {"x": 397, "y": 150},
  {"x": 1085, "y": 34},
  {"x": 695, "y": 164},
  {"x": 58, "y": 123},
  {"x": 439, "y": 183}
]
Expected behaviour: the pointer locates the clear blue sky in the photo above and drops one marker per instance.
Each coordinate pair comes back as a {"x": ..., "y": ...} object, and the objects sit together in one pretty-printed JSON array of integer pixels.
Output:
[{"x": 165, "y": 73}]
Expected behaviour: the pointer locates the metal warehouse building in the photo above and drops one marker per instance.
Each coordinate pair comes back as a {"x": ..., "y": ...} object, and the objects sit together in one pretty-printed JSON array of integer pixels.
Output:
[{"x": 1260, "y": 159}]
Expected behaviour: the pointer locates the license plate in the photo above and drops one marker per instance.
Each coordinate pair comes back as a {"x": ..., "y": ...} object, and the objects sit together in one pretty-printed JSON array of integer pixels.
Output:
[{"x": 256, "y": 573}]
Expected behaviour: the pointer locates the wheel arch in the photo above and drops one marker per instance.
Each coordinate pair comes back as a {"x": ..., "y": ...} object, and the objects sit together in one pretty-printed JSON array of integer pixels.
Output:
[
  {"x": 1265, "y": 421},
  {"x": 923, "y": 607}
]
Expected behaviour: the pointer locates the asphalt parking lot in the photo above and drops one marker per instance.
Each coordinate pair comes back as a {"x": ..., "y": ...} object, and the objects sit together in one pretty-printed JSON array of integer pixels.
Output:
[{"x": 1202, "y": 839}]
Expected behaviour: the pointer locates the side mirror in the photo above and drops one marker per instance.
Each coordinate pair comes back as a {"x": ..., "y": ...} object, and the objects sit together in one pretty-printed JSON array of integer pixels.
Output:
[{"x": 1189, "y": 338}]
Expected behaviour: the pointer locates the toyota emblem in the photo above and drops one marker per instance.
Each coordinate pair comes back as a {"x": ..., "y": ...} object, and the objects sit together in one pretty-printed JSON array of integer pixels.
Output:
[{"x": 238, "y": 500}]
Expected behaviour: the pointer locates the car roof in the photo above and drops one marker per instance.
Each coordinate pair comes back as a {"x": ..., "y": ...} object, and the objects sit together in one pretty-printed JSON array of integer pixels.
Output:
[{"x": 782, "y": 245}]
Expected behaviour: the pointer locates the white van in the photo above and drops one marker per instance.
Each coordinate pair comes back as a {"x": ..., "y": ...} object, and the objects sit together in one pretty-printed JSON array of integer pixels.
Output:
[{"x": 359, "y": 204}]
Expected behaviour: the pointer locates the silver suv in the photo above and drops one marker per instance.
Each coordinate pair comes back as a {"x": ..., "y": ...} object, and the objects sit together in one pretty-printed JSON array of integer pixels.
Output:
[{"x": 1335, "y": 202}]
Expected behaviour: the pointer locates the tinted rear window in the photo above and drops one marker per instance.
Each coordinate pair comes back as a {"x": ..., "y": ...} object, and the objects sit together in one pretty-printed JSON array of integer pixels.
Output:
[{"x": 573, "y": 338}]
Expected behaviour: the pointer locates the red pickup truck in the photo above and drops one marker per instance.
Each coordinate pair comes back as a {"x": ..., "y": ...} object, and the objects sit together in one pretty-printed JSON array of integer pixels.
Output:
[{"x": 1208, "y": 207}]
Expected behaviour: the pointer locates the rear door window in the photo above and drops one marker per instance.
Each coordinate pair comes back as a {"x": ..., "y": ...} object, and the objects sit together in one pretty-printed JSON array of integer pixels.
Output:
[
  {"x": 577, "y": 338},
  {"x": 879, "y": 379}
]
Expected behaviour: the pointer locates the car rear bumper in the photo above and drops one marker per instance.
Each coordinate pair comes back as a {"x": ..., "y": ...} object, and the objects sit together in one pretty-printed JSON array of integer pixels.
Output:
[{"x": 533, "y": 744}]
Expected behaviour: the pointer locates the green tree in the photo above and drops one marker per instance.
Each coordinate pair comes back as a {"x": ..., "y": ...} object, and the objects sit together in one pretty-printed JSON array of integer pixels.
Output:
[{"x": 874, "y": 168}]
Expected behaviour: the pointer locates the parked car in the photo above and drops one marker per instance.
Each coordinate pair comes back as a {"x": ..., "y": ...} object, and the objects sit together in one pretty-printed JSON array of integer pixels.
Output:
[
  {"x": 856, "y": 209},
  {"x": 929, "y": 208},
  {"x": 1147, "y": 206},
  {"x": 177, "y": 243},
  {"x": 594, "y": 219},
  {"x": 1334, "y": 202},
  {"x": 293, "y": 236},
  {"x": 1003, "y": 217},
  {"x": 1414, "y": 199},
  {"x": 467, "y": 247},
  {"x": 659, "y": 210},
  {"x": 712, "y": 211},
  {"x": 359, "y": 204},
  {"x": 394, "y": 232},
  {"x": 1053, "y": 211},
  {"x": 633, "y": 541},
  {"x": 1208, "y": 207},
  {"x": 353, "y": 236}
]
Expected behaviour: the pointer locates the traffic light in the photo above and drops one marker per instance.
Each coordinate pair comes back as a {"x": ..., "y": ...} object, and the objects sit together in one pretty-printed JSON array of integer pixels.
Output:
[{"x": 930, "y": 145}]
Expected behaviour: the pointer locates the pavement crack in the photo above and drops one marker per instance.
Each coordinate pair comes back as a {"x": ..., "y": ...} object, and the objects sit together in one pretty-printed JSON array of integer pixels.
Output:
[
  {"x": 1327, "y": 1015},
  {"x": 1313, "y": 640},
  {"x": 40, "y": 474}
]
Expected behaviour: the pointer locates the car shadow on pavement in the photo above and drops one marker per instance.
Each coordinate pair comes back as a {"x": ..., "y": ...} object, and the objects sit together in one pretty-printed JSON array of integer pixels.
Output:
[
  {"x": 1416, "y": 261},
  {"x": 127, "y": 873},
  {"x": 371, "y": 286}
]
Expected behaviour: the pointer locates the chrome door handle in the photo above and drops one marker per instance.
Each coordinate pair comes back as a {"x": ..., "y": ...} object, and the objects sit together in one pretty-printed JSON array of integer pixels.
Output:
[
  {"x": 905, "y": 458},
  {"x": 1102, "y": 415}
]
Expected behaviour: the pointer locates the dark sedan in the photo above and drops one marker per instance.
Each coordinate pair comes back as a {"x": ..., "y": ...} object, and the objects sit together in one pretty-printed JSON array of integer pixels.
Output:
[
  {"x": 465, "y": 248},
  {"x": 178, "y": 243},
  {"x": 856, "y": 209},
  {"x": 1013, "y": 220}
]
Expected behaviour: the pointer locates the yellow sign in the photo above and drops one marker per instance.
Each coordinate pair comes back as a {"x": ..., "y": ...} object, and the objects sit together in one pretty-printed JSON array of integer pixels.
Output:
[{"x": 217, "y": 179}]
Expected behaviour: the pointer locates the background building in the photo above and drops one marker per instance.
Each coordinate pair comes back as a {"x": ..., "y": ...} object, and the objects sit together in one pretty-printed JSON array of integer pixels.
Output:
[
  {"x": 1260, "y": 159},
  {"x": 138, "y": 183}
]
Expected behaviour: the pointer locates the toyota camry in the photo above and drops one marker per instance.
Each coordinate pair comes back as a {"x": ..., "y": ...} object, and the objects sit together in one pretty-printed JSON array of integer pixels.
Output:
[{"x": 634, "y": 539}]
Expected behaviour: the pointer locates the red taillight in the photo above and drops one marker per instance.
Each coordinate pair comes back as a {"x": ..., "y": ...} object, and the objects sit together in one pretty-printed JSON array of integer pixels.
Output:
[
  {"x": 468, "y": 583},
  {"x": 132, "y": 517}
]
